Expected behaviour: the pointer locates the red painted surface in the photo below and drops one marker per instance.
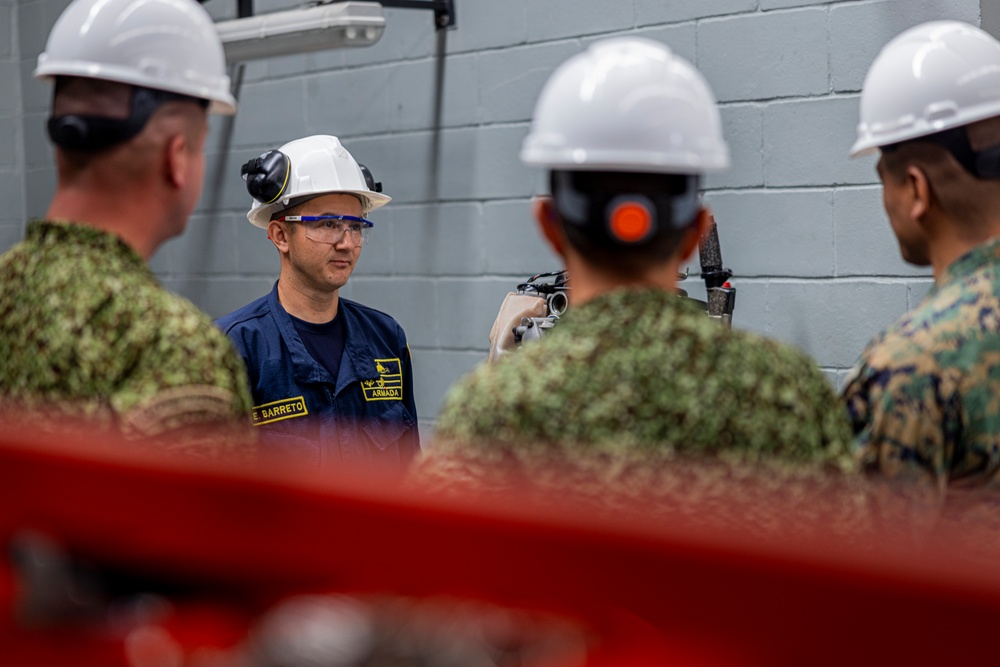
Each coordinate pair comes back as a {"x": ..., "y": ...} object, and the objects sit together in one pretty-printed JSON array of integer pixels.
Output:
[{"x": 657, "y": 594}]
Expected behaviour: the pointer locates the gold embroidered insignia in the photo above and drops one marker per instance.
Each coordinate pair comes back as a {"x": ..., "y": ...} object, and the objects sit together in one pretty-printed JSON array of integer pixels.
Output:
[
  {"x": 275, "y": 411},
  {"x": 388, "y": 386}
]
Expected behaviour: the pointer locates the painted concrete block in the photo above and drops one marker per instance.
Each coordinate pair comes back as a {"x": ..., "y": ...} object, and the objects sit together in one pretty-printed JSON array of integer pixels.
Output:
[
  {"x": 411, "y": 301},
  {"x": 743, "y": 129},
  {"x": 833, "y": 321},
  {"x": 514, "y": 246},
  {"x": 916, "y": 290},
  {"x": 439, "y": 240},
  {"x": 218, "y": 296},
  {"x": 682, "y": 39},
  {"x": 10, "y": 234},
  {"x": 36, "y": 96},
  {"x": 765, "y": 56},
  {"x": 483, "y": 163},
  {"x": 488, "y": 25},
  {"x": 785, "y": 4},
  {"x": 766, "y": 233},
  {"x": 806, "y": 142},
  {"x": 271, "y": 112},
  {"x": 434, "y": 372},
  {"x": 207, "y": 246},
  {"x": 255, "y": 254},
  {"x": 7, "y": 29},
  {"x": 512, "y": 79},
  {"x": 12, "y": 197},
  {"x": 657, "y": 11},
  {"x": 467, "y": 309},
  {"x": 858, "y": 31},
  {"x": 555, "y": 19},
  {"x": 865, "y": 244},
  {"x": 751, "y": 311},
  {"x": 420, "y": 96},
  {"x": 347, "y": 103},
  {"x": 35, "y": 21},
  {"x": 39, "y": 186},
  {"x": 9, "y": 134},
  {"x": 38, "y": 150}
]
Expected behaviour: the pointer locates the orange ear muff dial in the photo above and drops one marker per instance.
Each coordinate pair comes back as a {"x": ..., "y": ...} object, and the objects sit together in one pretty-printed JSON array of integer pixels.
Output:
[{"x": 630, "y": 222}]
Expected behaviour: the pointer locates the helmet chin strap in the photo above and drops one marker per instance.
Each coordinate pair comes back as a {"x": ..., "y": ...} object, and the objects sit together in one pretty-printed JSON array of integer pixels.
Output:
[{"x": 91, "y": 134}]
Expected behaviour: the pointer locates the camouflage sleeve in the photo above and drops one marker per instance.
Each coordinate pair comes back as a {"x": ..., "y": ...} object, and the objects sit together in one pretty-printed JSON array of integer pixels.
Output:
[
  {"x": 188, "y": 390},
  {"x": 905, "y": 419}
]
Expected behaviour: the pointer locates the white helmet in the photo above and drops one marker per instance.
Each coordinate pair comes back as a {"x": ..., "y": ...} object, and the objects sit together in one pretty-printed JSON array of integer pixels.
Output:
[
  {"x": 626, "y": 104},
  {"x": 302, "y": 169},
  {"x": 933, "y": 77},
  {"x": 169, "y": 45}
]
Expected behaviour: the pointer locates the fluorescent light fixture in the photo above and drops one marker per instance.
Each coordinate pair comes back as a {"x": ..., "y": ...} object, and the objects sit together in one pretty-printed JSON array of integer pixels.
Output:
[{"x": 326, "y": 26}]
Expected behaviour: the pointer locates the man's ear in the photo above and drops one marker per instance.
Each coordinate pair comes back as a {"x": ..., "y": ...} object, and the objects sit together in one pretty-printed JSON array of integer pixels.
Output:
[
  {"x": 176, "y": 158},
  {"x": 689, "y": 242},
  {"x": 919, "y": 188},
  {"x": 548, "y": 223},
  {"x": 278, "y": 234}
]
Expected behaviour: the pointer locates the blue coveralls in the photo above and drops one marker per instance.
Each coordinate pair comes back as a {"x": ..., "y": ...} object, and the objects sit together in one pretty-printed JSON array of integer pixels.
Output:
[{"x": 366, "y": 415}]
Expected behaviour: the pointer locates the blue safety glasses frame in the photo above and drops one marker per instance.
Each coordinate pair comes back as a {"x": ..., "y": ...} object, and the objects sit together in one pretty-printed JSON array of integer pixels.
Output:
[{"x": 332, "y": 228}]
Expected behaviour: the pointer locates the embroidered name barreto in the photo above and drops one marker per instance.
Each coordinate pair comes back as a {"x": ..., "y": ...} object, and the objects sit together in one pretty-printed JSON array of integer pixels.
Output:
[{"x": 275, "y": 411}]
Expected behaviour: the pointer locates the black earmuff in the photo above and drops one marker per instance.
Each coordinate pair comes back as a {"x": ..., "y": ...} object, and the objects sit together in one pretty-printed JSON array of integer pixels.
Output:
[
  {"x": 369, "y": 179},
  {"x": 267, "y": 176}
]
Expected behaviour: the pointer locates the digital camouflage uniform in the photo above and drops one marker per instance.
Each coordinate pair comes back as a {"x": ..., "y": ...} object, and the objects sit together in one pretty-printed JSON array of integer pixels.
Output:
[
  {"x": 643, "y": 372},
  {"x": 87, "y": 331},
  {"x": 924, "y": 399}
]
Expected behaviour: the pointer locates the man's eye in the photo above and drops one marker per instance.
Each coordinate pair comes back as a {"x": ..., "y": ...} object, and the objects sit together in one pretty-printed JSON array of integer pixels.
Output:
[
  {"x": 355, "y": 227},
  {"x": 330, "y": 224}
]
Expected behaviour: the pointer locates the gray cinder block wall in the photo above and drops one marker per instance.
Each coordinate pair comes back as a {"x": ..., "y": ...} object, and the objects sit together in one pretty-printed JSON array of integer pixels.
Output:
[
  {"x": 12, "y": 209},
  {"x": 439, "y": 117}
]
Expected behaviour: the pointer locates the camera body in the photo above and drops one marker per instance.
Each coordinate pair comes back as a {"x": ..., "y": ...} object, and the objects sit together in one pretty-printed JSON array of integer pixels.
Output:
[{"x": 556, "y": 303}]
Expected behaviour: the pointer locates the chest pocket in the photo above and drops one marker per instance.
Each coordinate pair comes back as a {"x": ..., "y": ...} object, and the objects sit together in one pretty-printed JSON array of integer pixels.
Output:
[{"x": 389, "y": 426}]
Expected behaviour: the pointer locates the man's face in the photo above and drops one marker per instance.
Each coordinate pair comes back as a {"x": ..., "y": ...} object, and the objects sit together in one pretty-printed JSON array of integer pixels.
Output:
[
  {"x": 898, "y": 201},
  {"x": 323, "y": 266}
]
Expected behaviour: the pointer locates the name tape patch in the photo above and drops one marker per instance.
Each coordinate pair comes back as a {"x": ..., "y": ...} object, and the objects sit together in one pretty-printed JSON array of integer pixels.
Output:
[
  {"x": 275, "y": 411},
  {"x": 388, "y": 386}
]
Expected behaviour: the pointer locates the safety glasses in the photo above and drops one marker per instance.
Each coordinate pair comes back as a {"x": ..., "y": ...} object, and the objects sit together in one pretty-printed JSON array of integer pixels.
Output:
[{"x": 332, "y": 228}]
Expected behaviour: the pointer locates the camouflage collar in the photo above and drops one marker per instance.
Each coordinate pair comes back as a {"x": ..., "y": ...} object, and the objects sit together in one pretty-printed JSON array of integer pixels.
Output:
[
  {"x": 70, "y": 234},
  {"x": 983, "y": 255}
]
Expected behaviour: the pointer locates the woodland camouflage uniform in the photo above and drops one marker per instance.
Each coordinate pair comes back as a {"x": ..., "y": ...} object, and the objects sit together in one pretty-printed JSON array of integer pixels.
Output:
[
  {"x": 645, "y": 372},
  {"x": 87, "y": 331},
  {"x": 924, "y": 399}
]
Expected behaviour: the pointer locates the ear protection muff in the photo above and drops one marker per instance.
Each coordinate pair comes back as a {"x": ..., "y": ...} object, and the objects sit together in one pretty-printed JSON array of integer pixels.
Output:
[
  {"x": 369, "y": 179},
  {"x": 267, "y": 176},
  {"x": 630, "y": 219}
]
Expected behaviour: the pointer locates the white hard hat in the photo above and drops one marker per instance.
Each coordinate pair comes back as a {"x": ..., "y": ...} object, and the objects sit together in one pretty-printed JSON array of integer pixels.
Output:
[
  {"x": 933, "y": 77},
  {"x": 305, "y": 168},
  {"x": 169, "y": 45},
  {"x": 626, "y": 104}
]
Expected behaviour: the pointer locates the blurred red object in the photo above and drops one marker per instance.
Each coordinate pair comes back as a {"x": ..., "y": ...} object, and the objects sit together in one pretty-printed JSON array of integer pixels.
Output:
[{"x": 232, "y": 542}]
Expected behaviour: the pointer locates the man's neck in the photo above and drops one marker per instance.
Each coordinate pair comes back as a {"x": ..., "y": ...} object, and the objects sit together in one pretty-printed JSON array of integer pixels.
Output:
[
  {"x": 949, "y": 247},
  {"x": 307, "y": 304},
  {"x": 588, "y": 282},
  {"x": 139, "y": 229}
]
